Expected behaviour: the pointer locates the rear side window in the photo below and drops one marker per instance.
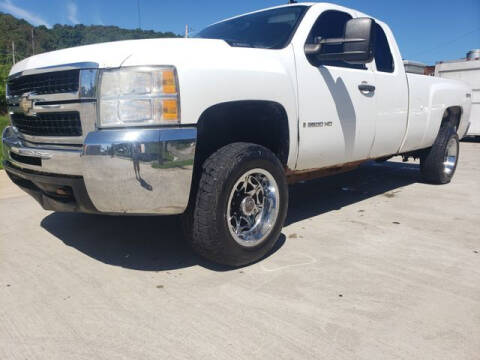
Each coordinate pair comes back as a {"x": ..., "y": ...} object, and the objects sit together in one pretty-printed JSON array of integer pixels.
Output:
[
  {"x": 383, "y": 55},
  {"x": 331, "y": 24}
]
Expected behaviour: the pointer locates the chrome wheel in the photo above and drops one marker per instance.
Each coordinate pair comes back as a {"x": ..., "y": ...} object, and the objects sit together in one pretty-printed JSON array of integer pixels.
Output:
[
  {"x": 253, "y": 207},
  {"x": 451, "y": 154}
]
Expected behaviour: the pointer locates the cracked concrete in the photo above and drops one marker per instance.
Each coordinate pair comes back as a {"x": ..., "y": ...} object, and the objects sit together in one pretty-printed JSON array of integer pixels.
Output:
[{"x": 373, "y": 264}]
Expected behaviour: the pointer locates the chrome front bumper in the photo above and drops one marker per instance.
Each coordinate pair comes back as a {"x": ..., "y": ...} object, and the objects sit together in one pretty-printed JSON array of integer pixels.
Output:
[{"x": 130, "y": 171}]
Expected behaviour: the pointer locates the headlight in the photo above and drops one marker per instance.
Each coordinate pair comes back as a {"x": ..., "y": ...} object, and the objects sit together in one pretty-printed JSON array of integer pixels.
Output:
[{"x": 139, "y": 96}]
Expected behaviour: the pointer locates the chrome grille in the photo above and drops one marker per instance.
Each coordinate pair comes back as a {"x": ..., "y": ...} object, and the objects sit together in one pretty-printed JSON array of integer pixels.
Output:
[
  {"x": 45, "y": 83},
  {"x": 55, "y": 105},
  {"x": 49, "y": 124}
]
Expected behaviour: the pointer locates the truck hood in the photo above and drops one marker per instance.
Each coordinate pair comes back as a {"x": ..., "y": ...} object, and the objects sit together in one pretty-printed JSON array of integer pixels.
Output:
[{"x": 114, "y": 54}]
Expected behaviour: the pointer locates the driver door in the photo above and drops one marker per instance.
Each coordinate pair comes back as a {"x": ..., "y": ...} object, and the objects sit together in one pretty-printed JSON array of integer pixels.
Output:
[{"x": 336, "y": 117}]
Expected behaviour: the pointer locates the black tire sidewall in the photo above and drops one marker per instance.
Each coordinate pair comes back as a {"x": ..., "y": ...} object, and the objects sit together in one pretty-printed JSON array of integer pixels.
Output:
[
  {"x": 244, "y": 167},
  {"x": 211, "y": 237},
  {"x": 232, "y": 247},
  {"x": 432, "y": 164},
  {"x": 450, "y": 176}
]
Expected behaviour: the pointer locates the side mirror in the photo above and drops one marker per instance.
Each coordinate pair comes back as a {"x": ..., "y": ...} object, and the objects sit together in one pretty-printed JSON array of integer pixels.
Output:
[{"x": 357, "y": 42}]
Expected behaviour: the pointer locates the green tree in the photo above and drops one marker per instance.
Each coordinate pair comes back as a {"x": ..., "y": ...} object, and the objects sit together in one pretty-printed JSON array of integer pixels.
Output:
[
  {"x": 58, "y": 37},
  {"x": 4, "y": 70}
]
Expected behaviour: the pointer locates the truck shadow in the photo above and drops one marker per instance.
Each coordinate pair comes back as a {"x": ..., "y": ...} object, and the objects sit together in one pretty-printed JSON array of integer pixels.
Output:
[
  {"x": 157, "y": 244},
  {"x": 322, "y": 195},
  {"x": 147, "y": 243},
  {"x": 471, "y": 139}
]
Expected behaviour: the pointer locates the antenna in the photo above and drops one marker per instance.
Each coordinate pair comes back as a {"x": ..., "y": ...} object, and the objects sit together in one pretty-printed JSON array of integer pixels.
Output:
[{"x": 139, "y": 18}]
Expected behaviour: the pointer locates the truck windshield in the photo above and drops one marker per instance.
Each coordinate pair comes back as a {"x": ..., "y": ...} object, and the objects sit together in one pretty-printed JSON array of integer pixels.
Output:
[{"x": 269, "y": 29}]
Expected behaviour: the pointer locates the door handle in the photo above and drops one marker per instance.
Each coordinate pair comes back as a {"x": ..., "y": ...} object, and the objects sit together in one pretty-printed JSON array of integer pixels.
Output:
[
  {"x": 366, "y": 88},
  {"x": 55, "y": 106}
]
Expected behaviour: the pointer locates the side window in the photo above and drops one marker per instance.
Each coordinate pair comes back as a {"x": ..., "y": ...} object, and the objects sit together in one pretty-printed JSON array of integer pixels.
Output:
[
  {"x": 331, "y": 24},
  {"x": 383, "y": 55}
]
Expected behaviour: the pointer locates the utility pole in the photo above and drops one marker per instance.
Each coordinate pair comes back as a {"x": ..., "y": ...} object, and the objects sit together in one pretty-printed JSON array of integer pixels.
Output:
[
  {"x": 13, "y": 52},
  {"x": 33, "y": 43},
  {"x": 186, "y": 31}
]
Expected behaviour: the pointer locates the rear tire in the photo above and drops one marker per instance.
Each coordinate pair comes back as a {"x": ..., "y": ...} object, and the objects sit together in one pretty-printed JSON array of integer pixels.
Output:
[
  {"x": 438, "y": 164},
  {"x": 240, "y": 206}
]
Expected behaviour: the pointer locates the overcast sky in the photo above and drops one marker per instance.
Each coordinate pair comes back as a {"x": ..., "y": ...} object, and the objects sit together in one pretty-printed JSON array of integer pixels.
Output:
[{"x": 426, "y": 30}]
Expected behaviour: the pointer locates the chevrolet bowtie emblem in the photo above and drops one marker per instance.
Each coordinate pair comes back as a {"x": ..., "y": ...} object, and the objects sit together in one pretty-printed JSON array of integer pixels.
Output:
[{"x": 26, "y": 104}]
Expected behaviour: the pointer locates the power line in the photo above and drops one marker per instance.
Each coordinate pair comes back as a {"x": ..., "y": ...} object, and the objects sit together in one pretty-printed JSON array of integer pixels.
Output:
[{"x": 448, "y": 42}]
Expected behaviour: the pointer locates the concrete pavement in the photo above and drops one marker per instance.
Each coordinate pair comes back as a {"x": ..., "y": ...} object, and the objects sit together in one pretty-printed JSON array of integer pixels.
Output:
[{"x": 372, "y": 264}]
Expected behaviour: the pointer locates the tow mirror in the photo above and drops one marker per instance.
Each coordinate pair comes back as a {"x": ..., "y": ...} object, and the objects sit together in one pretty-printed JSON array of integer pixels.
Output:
[{"x": 357, "y": 42}]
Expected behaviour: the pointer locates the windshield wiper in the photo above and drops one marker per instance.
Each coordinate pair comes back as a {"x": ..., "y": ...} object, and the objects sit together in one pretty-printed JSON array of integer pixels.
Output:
[{"x": 238, "y": 43}]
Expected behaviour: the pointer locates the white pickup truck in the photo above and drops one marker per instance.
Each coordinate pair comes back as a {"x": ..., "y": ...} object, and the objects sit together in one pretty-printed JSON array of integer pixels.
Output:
[{"x": 215, "y": 127}]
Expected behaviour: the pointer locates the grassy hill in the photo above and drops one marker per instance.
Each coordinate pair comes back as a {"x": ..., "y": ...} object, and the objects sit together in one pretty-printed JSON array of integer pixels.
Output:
[{"x": 58, "y": 37}]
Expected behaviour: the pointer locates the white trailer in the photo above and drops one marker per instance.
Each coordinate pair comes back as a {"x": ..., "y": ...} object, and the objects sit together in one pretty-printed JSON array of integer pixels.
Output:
[{"x": 468, "y": 71}]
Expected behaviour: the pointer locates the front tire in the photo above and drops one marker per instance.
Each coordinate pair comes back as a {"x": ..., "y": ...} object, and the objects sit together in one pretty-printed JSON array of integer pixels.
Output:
[
  {"x": 439, "y": 163},
  {"x": 241, "y": 205}
]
